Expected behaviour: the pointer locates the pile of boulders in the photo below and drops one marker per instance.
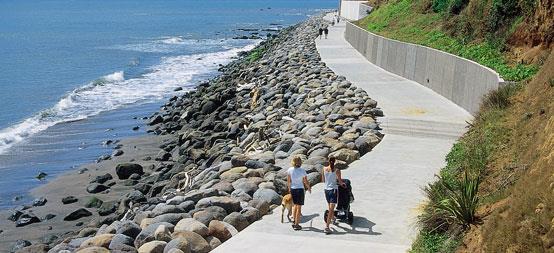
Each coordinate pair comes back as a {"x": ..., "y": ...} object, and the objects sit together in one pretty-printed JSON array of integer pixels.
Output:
[{"x": 234, "y": 139}]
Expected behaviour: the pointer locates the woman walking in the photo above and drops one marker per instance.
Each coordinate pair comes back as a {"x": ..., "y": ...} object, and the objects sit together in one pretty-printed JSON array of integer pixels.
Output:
[
  {"x": 297, "y": 181},
  {"x": 330, "y": 177}
]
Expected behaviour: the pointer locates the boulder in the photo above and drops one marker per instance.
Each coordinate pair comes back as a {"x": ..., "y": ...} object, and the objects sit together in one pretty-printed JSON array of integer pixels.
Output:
[
  {"x": 228, "y": 204},
  {"x": 128, "y": 228},
  {"x": 365, "y": 143},
  {"x": 251, "y": 214},
  {"x": 152, "y": 247},
  {"x": 246, "y": 186},
  {"x": 125, "y": 170},
  {"x": 162, "y": 233},
  {"x": 39, "y": 202},
  {"x": 20, "y": 244},
  {"x": 178, "y": 243},
  {"x": 69, "y": 200},
  {"x": 93, "y": 202},
  {"x": 103, "y": 240},
  {"x": 346, "y": 155},
  {"x": 237, "y": 220},
  {"x": 268, "y": 195},
  {"x": 147, "y": 234},
  {"x": 223, "y": 186},
  {"x": 172, "y": 218},
  {"x": 210, "y": 213},
  {"x": 93, "y": 250},
  {"x": 197, "y": 243},
  {"x": 213, "y": 241},
  {"x": 35, "y": 248},
  {"x": 96, "y": 188},
  {"x": 261, "y": 205},
  {"x": 119, "y": 240},
  {"x": 26, "y": 219},
  {"x": 107, "y": 208},
  {"x": 193, "y": 225},
  {"x": 221, "y": 230},
  {"x": 77, "y": 214}
]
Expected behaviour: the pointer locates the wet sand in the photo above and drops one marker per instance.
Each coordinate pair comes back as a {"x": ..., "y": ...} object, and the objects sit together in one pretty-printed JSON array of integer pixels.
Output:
[{"x": 74, "y": 184}]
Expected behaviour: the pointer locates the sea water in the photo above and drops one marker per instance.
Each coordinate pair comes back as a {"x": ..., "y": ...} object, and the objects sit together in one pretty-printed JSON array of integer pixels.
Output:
[{"x": 76, "y": 73}]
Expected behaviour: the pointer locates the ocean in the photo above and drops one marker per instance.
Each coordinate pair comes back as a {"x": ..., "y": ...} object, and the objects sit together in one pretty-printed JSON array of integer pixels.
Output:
[{"x": 74, "y": 73}]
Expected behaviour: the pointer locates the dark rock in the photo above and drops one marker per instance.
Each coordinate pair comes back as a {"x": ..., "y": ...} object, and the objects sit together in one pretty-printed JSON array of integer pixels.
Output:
[
  {"x": 136, "y": 196},
  {"x": 210, "y": 213},
  {"x": 120, "y": 239},
  {"x": 69, "y": 200},
  {"x": 15, "y": 215},
  {"x": 228, "y": 204},
  {"x": 41, "y": 176},
  {"x": 77, "y": 214},
  {"x": 93, "y": 202},
  {"x": 117, "y": 152},
  {"x": 19, "y": 244},
  {"x": 129, "y": 229},
  {"x": 49, "y": 239},
  {"x": 107, "y": 208},
  {"x": 96, "y": 188},
  {"x": 125, "y": 170},
  {"x": 102, "y": 179},
  {"x": 26, "y": 219},
  {"x": 237, "y": 220},
  {"x": 39, "y": 202},
  {"x": 268, "y": 195},
  {"x": 156, "y": 120},
  {"x": 49, "y": 216}
]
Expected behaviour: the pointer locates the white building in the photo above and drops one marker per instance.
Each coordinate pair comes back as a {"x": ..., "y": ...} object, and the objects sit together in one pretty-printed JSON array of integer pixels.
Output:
[{"x": 354, "y": 9}]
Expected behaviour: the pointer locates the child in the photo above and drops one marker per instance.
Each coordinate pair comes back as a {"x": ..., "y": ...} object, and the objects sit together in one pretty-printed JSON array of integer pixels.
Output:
[{"x": 297, "y": 180}]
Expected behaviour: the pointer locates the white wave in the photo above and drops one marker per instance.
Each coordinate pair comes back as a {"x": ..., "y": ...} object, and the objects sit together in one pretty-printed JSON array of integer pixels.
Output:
[
  {"x": 173, "y": 40},
  {"x": 169, "y": 44},
  {"x": 114, "y": 91},
  {"x": 114, "y": 77}
]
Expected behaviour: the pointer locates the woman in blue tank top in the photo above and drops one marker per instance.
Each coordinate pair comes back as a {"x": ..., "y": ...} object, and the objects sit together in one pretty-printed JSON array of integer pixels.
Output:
[{"x": 331, "y": 177}]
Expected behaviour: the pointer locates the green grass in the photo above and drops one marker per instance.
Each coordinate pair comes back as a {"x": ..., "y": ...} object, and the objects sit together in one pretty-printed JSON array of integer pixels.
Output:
[
  {"x": 429, "y": 242},
  {"x": 399, "y": 20}
]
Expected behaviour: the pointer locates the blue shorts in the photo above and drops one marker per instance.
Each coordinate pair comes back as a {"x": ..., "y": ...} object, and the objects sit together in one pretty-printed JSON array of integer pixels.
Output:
[
  {"x": 331, "y": 196},
  {"x": 297, "y": 196}
]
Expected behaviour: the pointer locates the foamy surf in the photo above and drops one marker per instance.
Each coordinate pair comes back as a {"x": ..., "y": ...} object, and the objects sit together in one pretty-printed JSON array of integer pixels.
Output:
[{"x": 113, "y": 91}]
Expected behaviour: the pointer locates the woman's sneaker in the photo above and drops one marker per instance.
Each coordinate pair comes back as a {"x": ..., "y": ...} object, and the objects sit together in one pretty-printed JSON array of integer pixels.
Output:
[
  {"x": 296, "y": 227},
  {"x": 328, "y": 231}
]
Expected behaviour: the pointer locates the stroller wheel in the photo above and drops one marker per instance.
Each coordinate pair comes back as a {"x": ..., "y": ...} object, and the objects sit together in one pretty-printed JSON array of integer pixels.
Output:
[
  {"x": 325, "y": 215},
  {"x": 350, "y": 218}
]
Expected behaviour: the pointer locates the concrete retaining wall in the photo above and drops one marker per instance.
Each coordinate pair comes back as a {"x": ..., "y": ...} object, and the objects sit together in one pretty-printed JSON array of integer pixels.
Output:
[{"x": 462, "y": 81}]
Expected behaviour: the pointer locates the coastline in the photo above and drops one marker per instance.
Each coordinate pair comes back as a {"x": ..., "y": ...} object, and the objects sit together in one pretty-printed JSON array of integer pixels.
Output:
[{"x": 236, "y": 156}]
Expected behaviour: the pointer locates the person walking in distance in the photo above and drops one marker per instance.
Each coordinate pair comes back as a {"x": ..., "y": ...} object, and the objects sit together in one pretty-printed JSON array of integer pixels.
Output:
[
  {"x": 320, "y": 32},
  {"x": 297, "y": 181},
  {"x": 326, "y": 31},
  {"x": 331, "y": 178}
]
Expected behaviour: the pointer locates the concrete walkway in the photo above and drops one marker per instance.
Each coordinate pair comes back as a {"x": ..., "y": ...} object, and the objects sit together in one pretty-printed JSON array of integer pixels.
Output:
[{"x": 420, "y": 128}]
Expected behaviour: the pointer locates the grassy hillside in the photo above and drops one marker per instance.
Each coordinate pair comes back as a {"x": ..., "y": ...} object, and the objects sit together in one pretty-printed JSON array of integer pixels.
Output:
[
  {"x": 434, "y": 23},
  {"x": 496, "y": 193}
]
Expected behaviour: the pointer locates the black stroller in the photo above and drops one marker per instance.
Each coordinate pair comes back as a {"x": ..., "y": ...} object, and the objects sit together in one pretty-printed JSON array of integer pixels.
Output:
[{"x": 342, "y": 211}]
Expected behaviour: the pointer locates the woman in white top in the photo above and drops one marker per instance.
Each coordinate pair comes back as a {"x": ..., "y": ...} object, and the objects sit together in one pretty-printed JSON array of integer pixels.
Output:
[
  {"x": 297, "y": 180},
  {"x": 330, "y": 177}
]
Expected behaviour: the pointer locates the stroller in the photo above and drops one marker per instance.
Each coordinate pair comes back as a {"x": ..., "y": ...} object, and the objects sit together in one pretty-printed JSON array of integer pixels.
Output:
[{"x": 342, "y": 211}]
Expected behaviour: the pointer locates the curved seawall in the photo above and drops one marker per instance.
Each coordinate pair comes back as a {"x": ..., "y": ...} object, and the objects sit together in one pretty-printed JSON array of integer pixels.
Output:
[{"x": 462, "y": 81}]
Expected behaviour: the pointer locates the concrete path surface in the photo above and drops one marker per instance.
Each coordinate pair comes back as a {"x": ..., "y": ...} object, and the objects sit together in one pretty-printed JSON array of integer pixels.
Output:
[{"x": 420, "y": 127}]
